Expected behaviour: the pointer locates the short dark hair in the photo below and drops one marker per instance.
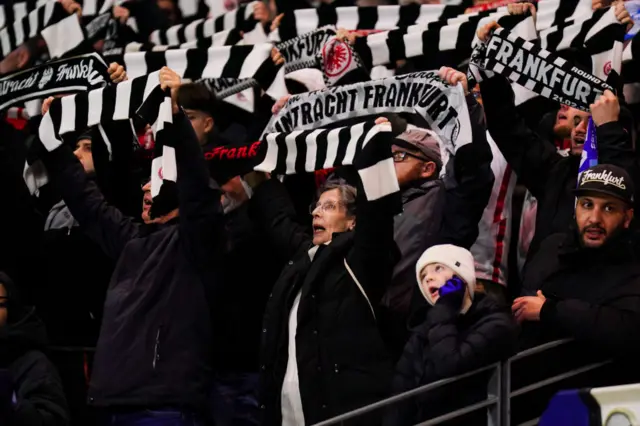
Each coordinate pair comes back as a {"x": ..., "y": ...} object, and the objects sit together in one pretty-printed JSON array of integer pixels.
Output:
[
  {"x": 196, "y": 96},
  {"x": 348, "y": 193}
]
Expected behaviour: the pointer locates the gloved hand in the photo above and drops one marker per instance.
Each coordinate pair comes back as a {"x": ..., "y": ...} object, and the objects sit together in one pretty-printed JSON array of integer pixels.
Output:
[{"x": 452, "y": 293}]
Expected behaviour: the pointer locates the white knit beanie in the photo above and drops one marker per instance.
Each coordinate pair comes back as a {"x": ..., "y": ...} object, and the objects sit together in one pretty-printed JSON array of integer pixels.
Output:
[{"x": 456, "y": 258}]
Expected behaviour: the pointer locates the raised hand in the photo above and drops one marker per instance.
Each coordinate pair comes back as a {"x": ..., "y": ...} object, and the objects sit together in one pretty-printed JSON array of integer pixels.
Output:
[
  {"x": 117, "y": 73},
  {"x": 453, "y": 77},
  {"x": 170, "y": 79},
  {"x": 605, "y": 109},
  {"x": 485, "y": 32},
  {"x": 280, "y": 104},
  {"x": 452, "y": 293}
]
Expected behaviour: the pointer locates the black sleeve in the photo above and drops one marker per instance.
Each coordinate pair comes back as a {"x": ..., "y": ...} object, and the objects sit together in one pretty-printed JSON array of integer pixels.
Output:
[
  {"x": 466, "y": 200},
  {"x": 117, "y": 174},
  {"x": 530, "y": 157},
  {"x": 201, "y": 216},
  {"x": 614, "y": 146},
  {"x": 103, "y": 223},
  {"x": 39, "y": 394},
  {"x": 272, "y": 208},
  {"x": 21, "y": 224},
  {"x": 374, "y": 253},
  {"x": 614, "y": 325},
  {"x": 491, "y": 339}
]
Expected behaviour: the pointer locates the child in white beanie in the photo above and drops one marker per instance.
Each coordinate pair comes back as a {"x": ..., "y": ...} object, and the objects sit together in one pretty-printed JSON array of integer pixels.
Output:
[
  {"x": 447, "y": 271},
  {"x": 460, "y": 331}
]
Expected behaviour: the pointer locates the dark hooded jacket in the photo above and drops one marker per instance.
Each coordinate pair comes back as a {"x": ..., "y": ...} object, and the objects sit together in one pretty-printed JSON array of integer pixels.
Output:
[{"x": 30, "y": 390}]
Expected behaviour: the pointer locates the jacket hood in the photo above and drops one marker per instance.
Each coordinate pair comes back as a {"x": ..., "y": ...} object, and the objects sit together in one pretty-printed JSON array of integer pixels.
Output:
[{"x": 24, "y": 331}]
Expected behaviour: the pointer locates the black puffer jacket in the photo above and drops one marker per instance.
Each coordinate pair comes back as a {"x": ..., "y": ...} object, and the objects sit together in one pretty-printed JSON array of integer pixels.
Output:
[
  {"x": 342, "y": 361},
  {"x": 39, "y": 397},
  {"x": 447, "y": 344},
  {"x": 549, "y": 176}
]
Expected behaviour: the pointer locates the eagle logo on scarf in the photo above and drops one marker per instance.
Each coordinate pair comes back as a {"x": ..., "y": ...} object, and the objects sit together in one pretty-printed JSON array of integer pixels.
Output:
[
  {"x": 47, "y": 75},
  {"x": 337, "y": 57}
]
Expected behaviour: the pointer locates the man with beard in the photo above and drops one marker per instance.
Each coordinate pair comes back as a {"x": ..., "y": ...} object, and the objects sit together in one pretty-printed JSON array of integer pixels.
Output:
[
  {"x": 587, "y": 281},
  {"x": 548, "y": 175}
]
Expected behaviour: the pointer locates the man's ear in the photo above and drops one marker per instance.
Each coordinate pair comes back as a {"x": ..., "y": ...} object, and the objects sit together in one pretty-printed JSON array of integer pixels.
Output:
[
  {"x": 208, "y": 124},
  {"x": 428, "y": 170},
  {"x": 628, "y": 217}
]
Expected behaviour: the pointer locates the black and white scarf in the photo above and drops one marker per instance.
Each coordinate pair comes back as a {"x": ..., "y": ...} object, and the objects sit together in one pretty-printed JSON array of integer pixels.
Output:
[
  {"x": 302, "y": 51},
  {"x": 556, "y": 12},
  {"x": 251, "y": 64},
  {"x": 365, "y": 146},
  {"x": 538, "y": 70},
  {"x": 227, "y": 90},
  {"x": 140, "y": 97},
  {"x": 240, "y": 19},
  {"x": 438, "y": 45},
  {"x": 61, "y": 32},
  {"x": 598, "y": 34},
  {"x": 302, "y": 21},
  {"x": 223, "y": 38},
  {"x": 441, "y": 106},
  {"x": 71, "y": 75}
]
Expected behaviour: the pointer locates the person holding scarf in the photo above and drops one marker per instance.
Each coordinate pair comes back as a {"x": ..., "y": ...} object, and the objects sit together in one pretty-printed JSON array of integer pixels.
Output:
[{"x": 322, "y": 354}]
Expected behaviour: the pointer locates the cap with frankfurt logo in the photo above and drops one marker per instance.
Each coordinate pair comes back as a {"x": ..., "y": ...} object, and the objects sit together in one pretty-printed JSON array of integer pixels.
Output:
[{"x": 608, "y": 180}]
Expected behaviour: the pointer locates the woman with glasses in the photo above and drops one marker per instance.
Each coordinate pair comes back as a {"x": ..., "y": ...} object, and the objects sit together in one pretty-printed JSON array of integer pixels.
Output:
[{"x": 322, "y": 354}]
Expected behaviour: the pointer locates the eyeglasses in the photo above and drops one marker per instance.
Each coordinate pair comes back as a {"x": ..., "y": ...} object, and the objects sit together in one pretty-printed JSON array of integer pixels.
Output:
[
  {"x": 400, "y": 156},
  {"x": 326, "y": 207}
]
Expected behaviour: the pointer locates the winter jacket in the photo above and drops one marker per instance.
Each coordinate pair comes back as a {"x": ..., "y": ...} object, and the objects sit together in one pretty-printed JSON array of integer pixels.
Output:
[
  {"x": 341, "y": 359},
  {"x": 34, "y": 391},
  {"x": 593, "y": 295},
  {"x": 549, "y": 176},
  {"x": 47, "y": 237},
  {"x": 446, "y": 344},
  {"x": 252, "y": 267},
  {"x": 154, "y": 347},
  {"x": 435, "y": 212}
]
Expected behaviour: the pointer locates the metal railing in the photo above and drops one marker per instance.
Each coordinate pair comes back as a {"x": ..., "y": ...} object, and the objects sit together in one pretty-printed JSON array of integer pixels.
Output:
[
  {"x": 499, "y": 389},
  {"x": 499, "y": 392}
]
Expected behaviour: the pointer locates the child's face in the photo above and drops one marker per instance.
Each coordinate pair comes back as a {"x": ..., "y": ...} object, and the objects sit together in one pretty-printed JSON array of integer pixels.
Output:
[{"x": 432, "y": 277}]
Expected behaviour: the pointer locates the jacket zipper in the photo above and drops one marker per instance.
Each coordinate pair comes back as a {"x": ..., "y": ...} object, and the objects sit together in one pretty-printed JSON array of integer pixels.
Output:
[{"x": 156, "y": 354}]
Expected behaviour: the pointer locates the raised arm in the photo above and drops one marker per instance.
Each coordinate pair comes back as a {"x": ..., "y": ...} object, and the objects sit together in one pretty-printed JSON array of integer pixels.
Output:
[
  {"x": 104, "y": 224},
  {"x": 375, "y": 253},
  {"x": 467, "y": 198},
  {"x": 201, "y": 216},
  {"x": 530, "y": 157}
]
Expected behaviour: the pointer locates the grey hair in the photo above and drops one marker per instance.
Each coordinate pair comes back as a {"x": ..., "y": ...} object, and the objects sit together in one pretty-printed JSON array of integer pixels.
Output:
[{"x": 348, "y": 193}]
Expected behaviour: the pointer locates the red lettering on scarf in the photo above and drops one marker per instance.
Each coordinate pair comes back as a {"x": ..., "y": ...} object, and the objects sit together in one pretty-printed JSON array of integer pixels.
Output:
[{"x": 224, "y": 153}]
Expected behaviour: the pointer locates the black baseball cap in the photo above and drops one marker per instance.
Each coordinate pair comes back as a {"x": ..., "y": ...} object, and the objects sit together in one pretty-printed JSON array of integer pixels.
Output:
[{"x": 606, "y": 179}]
